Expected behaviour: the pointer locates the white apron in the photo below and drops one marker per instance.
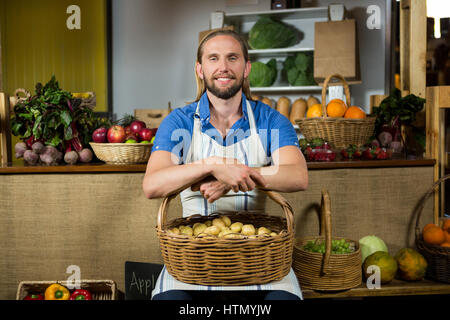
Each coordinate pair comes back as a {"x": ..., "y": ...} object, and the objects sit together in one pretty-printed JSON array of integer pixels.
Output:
[{"x": 250, "y": 152}]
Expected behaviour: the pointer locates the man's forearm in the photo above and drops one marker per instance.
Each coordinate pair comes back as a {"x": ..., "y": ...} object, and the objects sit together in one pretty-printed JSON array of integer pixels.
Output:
[{"x": 285, "y": 178}]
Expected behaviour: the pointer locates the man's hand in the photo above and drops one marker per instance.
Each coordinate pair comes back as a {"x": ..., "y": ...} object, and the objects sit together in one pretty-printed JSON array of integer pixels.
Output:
[{"x": 211, "y": 189}]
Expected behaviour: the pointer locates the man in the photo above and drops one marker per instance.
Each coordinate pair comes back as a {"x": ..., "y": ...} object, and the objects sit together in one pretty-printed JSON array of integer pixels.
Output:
[{"x": 217, "y": 150}]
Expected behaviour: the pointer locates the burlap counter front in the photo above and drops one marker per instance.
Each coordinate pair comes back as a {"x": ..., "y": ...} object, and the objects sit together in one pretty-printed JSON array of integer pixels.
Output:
[{"x": 98, "y": 221}]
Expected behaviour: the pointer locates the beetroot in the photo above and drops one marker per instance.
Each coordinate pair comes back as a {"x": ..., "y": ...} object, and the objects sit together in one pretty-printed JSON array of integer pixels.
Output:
[
  {"x": 385, "y": 138},
  {"x": 396, "y": 146},
  {"x": 20, "y": 149},
  {"x": 71, "y": 157},
  {"x": 49, "y": 156},
  {"x": 30, "y": 157},
  {"x": 38, "y": 147},
  {"x": 85, "y": 155}
]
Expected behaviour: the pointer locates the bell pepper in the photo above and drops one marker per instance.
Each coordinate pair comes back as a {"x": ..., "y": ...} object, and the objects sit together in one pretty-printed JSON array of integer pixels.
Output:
[
  {"x": 57, "y": 292},
  {"x": 34, "y": 297},
  {"x": 81, "y": 294}
]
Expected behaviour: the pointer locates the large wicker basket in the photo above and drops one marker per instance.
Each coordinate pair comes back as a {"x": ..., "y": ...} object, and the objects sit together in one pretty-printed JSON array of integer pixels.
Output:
[
  {"x": 339, "y": 132},
  {"x": 438, "y": 257},
  {"x": 122, "y": 153},
  {"x": 99, "y": 289},
  {"x": 326, "y": 272},
  {"x": 229, "y": 262}
]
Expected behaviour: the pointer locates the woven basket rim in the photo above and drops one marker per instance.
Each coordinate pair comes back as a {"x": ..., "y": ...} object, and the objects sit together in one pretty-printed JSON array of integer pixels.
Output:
[
  {"x": 122, "y": 144},
  {"x": 304, "y": 239}
]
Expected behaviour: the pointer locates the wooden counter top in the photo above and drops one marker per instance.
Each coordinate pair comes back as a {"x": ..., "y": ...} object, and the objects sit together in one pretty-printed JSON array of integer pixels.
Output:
[
  {"x": 394, "y": 288},
  {"x": 103, "y": 167}
]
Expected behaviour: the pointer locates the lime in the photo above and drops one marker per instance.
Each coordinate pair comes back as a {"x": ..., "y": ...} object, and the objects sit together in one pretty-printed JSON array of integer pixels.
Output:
[
  {"x": 130, "y": 141},
  {"x": 145, "y": 142}
]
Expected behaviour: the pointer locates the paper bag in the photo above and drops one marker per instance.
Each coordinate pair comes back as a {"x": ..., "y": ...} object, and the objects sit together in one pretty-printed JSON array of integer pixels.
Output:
[
  {"x": 151, "y": 117},
  {"x": 336, "y": 50}
]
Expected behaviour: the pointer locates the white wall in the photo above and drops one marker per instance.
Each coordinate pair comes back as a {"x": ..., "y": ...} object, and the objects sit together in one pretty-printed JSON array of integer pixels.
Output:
[{"x": 155, "y": 42}]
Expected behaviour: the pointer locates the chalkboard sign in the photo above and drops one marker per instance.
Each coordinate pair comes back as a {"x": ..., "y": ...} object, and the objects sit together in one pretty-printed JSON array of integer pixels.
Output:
[{"x": 140, "y": 279}]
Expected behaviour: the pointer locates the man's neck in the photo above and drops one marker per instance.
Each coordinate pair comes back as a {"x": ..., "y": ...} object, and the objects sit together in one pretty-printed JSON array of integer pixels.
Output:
[{"x": 224, "y": 113}]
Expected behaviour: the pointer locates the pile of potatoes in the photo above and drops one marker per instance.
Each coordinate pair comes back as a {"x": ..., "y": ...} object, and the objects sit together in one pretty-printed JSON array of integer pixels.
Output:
[{"x": 223, "y": 228}]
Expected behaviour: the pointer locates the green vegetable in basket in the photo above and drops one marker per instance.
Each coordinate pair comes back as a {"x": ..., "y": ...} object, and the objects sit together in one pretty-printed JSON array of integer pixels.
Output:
[
  {"x": 267, "y": 33},
  {"x": 337, "y": 246},
  {"x": 263, "y": 75}
]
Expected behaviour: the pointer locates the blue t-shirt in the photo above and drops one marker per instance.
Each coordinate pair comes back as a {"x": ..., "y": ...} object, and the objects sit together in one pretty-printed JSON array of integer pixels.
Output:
[{"x": 175, "y": 132}]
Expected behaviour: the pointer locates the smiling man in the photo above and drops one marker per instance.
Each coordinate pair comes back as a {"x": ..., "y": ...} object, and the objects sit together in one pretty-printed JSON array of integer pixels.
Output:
[{"x": 219, "y": 149}]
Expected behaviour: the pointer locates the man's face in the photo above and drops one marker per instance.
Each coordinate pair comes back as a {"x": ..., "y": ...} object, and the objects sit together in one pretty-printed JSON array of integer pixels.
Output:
[{"x": 223, "y": 66}]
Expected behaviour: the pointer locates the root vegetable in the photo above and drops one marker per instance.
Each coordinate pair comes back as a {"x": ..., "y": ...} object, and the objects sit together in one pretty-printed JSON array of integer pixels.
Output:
[
  {"x": 385, "y": 138},
  {"x": 236, "y": 227},
  {"x": 38, "y": 147},
  {"x": 273, "y": 234},
  {"x": 226, "y": 220},
  {"x": 208, "y": 223},
  {"x": 396, "y": 146},
  {"x": 213, "y": 230},
  {"x": 71, "y": 157},
  {"x": 199, "y": 228},
  {"x": 20, "y": 149},
  {"x": 30, "y": 157},
  {"x": 248, "y": 230},
  {"x": 174, "y": 230},
  {"x": 263, "y": 230},
  {"x": 187, "y": 231},
  {"x": 218, "y": 223},
  {"x": 85, "y": 155}
]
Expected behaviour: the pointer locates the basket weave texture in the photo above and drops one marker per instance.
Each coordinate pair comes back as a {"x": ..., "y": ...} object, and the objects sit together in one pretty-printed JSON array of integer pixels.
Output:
[
  {"x": 338, "y": 132},
  {"x": 438, "y": 257},
  {"x": 326, "y": 272},
  {"x": 99, "y": 289},
  {"x": 122, "y": 153},
  {"x": 229, "y": 262}
]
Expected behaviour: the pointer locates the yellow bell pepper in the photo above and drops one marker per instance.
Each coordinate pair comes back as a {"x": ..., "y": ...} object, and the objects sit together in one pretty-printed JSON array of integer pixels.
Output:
[{"x": 57, "y": 292}]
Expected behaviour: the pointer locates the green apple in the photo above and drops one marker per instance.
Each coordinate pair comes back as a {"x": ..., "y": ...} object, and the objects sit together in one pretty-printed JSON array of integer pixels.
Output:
[
  {"x": 145, "y": 142},
  {"x": 130, "y": 141}
]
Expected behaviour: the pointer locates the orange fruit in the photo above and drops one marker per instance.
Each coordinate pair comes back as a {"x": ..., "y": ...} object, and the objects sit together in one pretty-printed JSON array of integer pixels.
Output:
[
  {"x": 336, "y": 108},
  {"x": 314, "y": 111},
  {"x": 446, "y": 225},
  {"x": 354, "y": 112},
  {"x": 445, "y": 244},
  {"x": 428, "y": 226},
  {"x": 433, "y": 235},
  {"x": 447, "y": 236}
]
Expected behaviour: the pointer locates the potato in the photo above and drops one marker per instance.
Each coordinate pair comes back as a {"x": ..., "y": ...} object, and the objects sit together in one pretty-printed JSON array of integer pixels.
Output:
[
  {"x": 174, "y": 230},
  {"x": 233, "y": 236},
  {"x": 248, "y": 230},
  {"x": 218, "y": 223},
  {"x": 263, "y": 230},
  {"x": 226, "y": 220},
  {"x": 236, "y": 227},
  {"x": 208, "y": 223},
  {"x": 224, "y": 232},
  {"x": 273, "y": 234},
  {"x": 212, "y": 230},
  {"x": 187, "y": 231},
  {"x": 199, "y": 228}
]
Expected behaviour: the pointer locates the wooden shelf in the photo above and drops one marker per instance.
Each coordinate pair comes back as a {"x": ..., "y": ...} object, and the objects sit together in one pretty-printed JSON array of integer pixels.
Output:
[
  {"x": 395, "y": 288},
  {"x": 286, "y": 14},
  {"x": 287, "y": 89},
  {"x": 277, "y": 53}
]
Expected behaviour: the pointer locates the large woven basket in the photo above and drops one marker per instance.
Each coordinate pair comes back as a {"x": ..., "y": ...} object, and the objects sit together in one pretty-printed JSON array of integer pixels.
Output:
[
  {"x": 122, "y": 153},
  {"x": 99, "y": 289},
  {"x": 438, "y": 257},
  {"x": 338, "y": 132},
  {"x": 326, "y": 272},
  {"x": 229, "y": 262}
]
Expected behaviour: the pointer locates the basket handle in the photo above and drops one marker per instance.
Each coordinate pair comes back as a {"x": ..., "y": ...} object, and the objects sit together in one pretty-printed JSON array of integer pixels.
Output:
[
  {"x": 324, "y": 91},
  {"x": 325, "y": 228},
  {"x": 422, "y": 202},
  {"x": 275, "y": 196}
]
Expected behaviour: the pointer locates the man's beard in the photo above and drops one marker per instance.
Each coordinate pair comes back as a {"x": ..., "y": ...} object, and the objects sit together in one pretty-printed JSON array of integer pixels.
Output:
[{"x": 226, "y": 93}]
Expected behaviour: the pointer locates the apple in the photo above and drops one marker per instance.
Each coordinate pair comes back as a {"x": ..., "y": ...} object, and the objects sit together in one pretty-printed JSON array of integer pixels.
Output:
[
  {"x": 127, "y": 130},
  {"x": 116, "y": 134},
  {"x": 131, "y": 136},
  {"x": 146, "y": 134},
  {"x": 99, "y": 135},
  {"x": 137, "y": 125},
  {"x": 154, "y": 131}
]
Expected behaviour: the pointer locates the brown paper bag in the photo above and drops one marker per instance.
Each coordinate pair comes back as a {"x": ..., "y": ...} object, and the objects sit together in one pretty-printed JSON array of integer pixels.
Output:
[
  {"x": 336, "y": 50},
  {"x": 151, "y": 117}
]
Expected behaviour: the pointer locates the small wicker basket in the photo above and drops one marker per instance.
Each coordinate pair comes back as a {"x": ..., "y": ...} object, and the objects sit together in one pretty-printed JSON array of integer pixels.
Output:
[
  {"x": 122, "y": 153},
  {"x": 326, "y": 272},
  {"x": 339, "y": 132},
  {"x": 99, "y": 289},
  {"x": 229, "y": 262},
  {"x": 438, "y": 257}
]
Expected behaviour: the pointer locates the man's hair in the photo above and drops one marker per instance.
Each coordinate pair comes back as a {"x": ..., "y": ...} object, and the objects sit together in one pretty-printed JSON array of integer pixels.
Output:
[{"x": 201, "y": 88}]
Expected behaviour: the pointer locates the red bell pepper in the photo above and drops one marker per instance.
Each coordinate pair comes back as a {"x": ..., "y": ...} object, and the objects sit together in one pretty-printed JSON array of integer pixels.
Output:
[
  {"x": 81, "y": 294},
  {"x": 34, "y": 297}
]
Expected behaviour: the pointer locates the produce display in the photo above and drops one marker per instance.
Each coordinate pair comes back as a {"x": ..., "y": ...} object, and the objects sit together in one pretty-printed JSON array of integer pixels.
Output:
[
  {"x": 130, "y": 131},
  {"x": 316, "y": 149},
  {"x": 263, "y": 74},
  {"x": 412, "y": 266},
  {"x": 57, "y": 291},
  {"x": 222, "y": 228},
  {"x": 371, "y": 244},
  {"x": 387, "y": 264},
  {"x": 53, "y": 125},
  {"x": 267, "y": 33},
  {"x": 340, "y": 246}
]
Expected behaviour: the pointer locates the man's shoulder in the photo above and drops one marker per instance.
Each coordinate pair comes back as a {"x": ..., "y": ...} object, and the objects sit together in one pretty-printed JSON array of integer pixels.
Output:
[{"x": 180, "y": 117}]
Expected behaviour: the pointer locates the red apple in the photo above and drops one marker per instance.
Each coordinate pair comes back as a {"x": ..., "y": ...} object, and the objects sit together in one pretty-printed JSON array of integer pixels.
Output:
[
  {"x": 154, "y": 131},
  {"x": 132, "y": 136},
  {"x": 146, "y": 134},
  {"x": 127, "y": 130},
  {"x": 99, "y": 135},
  {"x": 116, "y": 134},
  {"x": 137, "y": 125}
]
